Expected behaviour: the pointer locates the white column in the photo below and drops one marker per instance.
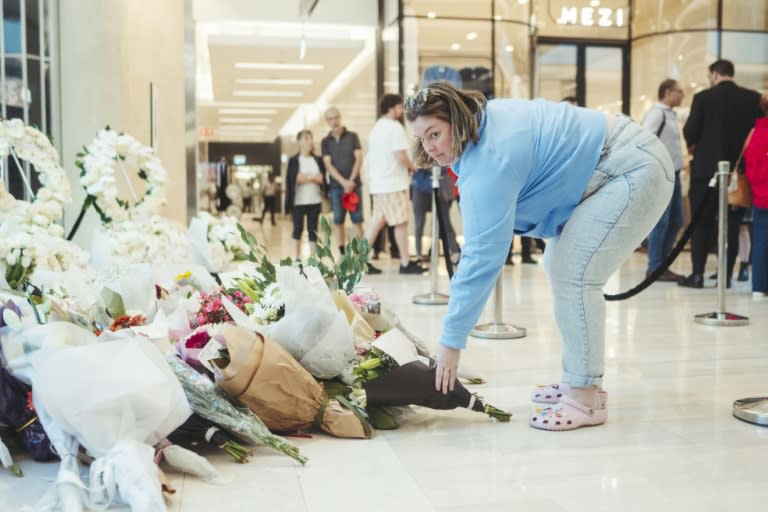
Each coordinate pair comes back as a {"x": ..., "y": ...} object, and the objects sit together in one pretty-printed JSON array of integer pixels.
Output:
[{"x": 110, "y": 51}]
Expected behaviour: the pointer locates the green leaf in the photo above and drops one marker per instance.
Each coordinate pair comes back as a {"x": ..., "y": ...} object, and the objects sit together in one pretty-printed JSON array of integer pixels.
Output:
[{"x": 381, "y": 419}]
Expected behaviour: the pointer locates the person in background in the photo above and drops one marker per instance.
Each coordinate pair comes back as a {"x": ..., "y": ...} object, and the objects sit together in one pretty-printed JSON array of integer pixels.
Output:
[
  {"x": 305, "y": 187},
  {"x": 248, "y": 196},
  {"x": 222, "y": 180},
  {"x": 269, "y": 198},
  {"x": 717, "y": 126},
  {"x": 389, "y": 168},
  {"x": 756, "y": 160},
  {"x": 421, "y": 197},
  {"x": 343, "y": 157},
  {"x": 592, "y": 184},
  {"x": 571, "y": 100},
  {"x": 661, "y": 120},
  {"x": 745, "y": 246}
]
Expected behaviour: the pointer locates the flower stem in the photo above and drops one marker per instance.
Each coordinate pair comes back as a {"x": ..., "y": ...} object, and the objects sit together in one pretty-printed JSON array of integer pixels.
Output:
[
  {"x": 86, "y": 204},
  {"x": 498, "y": 414}
]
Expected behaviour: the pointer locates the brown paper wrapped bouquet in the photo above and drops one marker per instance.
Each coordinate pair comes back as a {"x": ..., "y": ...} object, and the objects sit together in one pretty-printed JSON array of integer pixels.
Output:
[{"x": 266, "y": 378}]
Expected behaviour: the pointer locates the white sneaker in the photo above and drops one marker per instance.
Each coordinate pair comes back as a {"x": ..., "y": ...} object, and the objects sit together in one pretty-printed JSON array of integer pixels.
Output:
[{"x": 759, "y": 295}]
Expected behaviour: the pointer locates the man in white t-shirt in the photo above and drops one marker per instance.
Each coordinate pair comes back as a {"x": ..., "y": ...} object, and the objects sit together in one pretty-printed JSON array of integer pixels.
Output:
[{"x": 389, "y": 176}]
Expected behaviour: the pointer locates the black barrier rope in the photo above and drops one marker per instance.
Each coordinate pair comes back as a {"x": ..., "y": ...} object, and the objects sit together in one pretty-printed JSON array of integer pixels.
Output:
[{"x": 648, "y": 281}]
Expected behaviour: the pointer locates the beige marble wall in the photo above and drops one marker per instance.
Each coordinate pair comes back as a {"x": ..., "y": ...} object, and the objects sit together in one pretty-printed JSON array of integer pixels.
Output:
[{"x": 110, "y": 51}]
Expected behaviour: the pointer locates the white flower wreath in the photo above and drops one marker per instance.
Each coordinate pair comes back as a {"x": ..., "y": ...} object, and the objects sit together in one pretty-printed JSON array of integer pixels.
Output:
[
  {"x": 21, "y": 142},
  {"x": 112, "y": 152}
]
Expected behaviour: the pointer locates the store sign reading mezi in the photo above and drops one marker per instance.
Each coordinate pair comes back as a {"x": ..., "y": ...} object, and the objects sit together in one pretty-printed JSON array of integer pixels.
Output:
[{"x": 591, "y": 16}]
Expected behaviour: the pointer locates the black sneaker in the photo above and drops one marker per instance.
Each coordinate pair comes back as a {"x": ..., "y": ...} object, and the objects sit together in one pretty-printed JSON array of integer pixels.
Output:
[
  {"x": 412, "y": 268},
  {"x": 372, "y": 270}
]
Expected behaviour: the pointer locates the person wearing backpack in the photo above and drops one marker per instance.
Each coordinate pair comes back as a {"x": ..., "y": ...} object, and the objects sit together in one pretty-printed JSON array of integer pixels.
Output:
[{"x": 662, "y": 120}]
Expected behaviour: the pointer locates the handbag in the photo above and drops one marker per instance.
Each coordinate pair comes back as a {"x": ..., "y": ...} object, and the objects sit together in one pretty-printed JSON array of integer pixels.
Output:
[{"x": 739, "y": 191}]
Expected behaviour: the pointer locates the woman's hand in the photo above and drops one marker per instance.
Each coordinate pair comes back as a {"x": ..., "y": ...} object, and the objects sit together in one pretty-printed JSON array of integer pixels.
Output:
[{"x": 447, "y": 360}]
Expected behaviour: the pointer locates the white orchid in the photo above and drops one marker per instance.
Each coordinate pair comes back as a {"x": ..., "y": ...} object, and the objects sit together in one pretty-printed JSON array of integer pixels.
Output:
[{"x": 110, "y": 154}]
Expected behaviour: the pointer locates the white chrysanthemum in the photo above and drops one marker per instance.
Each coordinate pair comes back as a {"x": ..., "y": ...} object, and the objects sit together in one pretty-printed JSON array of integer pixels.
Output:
[{"x": 30, "y": 144}]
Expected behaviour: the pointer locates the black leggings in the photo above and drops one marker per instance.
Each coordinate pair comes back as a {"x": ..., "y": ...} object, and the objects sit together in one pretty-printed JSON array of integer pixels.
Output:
[{"x": 312, "y": 211}]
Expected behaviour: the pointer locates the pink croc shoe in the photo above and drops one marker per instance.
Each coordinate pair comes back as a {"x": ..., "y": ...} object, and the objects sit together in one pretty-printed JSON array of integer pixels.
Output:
[
  {"x": 568, "y": 414},
  {"x": 551, "y": 394},
  {"x": 548, "y": 394}
]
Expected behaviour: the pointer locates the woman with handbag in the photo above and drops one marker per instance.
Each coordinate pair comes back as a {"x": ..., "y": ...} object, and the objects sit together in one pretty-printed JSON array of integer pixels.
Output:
[{"x": 756, "y": 159}]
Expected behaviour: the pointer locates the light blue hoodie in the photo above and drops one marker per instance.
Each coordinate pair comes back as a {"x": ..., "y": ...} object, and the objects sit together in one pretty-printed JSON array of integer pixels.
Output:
[{"x": 525, "y": 175}]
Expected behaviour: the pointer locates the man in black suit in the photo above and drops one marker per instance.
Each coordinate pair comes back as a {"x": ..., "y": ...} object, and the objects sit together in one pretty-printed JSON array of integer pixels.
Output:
[{"x": 720, "y": 120}]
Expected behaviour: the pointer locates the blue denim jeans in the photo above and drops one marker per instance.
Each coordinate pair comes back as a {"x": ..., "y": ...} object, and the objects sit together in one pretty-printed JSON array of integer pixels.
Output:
[
  {"x": 627, "y": 194},
  {"x": 759, "y": 249},
  {"x": 664, "y": 234},
  {"x": 339, "y": 213}
]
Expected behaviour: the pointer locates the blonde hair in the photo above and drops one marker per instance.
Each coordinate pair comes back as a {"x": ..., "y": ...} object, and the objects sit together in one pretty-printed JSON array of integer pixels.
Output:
[{"x": 463, "y": 110}]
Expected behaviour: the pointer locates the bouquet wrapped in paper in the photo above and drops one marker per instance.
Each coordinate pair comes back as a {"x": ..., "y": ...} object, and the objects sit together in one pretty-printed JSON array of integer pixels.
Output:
[
  {"x": 211, "y": 403},
  {"x": 313, "y": 330},
  {"x": 394, "y": 374},
  {"x": 263, "y": 375},
  {"x": 18, "y": 412},
  {"x": 198, "y": 430},
  {"x": 118, "y": 399},
  {"x": 7, "y": 461}
]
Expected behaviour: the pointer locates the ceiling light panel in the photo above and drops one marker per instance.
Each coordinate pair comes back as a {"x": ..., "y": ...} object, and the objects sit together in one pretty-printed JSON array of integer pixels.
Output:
[
  {"x": 254, "y": 111},
  {"x": 279, "y": 66},
  {"x": 275, "y": 94},
  {"x": 273, "y": 81},
  {"x": 254, "y": 120}
]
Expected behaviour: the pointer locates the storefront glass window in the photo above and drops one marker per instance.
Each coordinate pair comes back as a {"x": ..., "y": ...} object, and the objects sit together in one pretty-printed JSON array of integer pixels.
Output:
[
  {"x": 513, "y": 10},
  {"x": 745, "y": 15},
  {"x": 670, "y": 15},
  {"x": 455, "y": 50},
  {"x": 682, "y": 56},
  {"x": 513, "y": 63},
  {"x": 603, "y": 72},
  {"x": 448, "y": 8},
  {"x": 749, "y": 54},
  {"x": 390, "y": 11},
  {"x": 556, "y": 71},
  {"x": 607, "y": 19}
]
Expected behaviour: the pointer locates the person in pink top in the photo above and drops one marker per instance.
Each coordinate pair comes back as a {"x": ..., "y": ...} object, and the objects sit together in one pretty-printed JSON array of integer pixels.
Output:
[{"x": 756, "y": 160}]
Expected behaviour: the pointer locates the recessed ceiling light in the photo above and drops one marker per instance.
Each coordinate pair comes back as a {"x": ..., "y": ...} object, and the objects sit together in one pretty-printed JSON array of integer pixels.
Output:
[
  {"x": 284, "y": 94},
  {"x": 255, "y": 111},
  {"x": 471, "y": 36},
  {"x": 243, "y": 128},
  {"x": 273, "y": 81},
  {"x": 277, "y": 65},
  {"x": 455, "y": 46},
  {"x": 254, "y": 120},
  {"x": 431, "y": 15},
  {"x": 497, "y": 17},
  {"x": 509, "y": 48},
  {"x": 595, "y": 3}
]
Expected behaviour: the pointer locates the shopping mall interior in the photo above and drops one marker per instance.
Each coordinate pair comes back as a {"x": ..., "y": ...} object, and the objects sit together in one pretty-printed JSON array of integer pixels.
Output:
[{"x": 219, "y": 89}]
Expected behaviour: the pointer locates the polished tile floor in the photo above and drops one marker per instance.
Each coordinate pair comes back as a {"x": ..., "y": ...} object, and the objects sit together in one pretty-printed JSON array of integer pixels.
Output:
[{"x": 670, "y": 443}]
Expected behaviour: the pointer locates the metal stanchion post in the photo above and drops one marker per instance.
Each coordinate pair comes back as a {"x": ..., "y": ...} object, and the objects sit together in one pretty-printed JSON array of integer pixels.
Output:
[
  {"x": 721, "y": 317},
  {"x": 433, "y": 298},
  {"x": 498, "y": 330}
]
